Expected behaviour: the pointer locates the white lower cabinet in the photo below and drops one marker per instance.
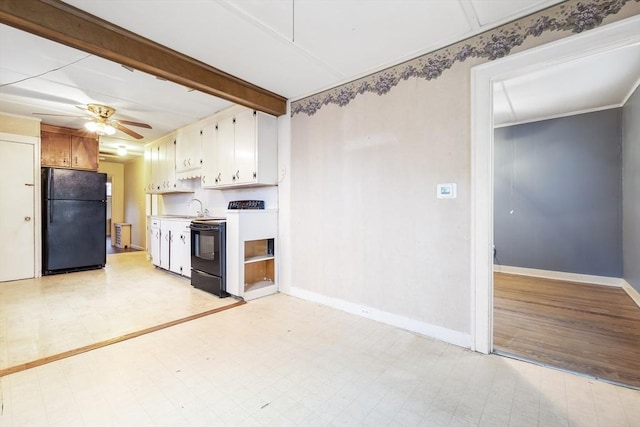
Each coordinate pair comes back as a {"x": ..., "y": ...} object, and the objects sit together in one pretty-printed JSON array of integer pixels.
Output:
[
  {"x": 252, "y": 253},
  {"x": 171, "y": 244},
  {"x": 154, "y": 241},
  {"x": 180, "y": 247}
]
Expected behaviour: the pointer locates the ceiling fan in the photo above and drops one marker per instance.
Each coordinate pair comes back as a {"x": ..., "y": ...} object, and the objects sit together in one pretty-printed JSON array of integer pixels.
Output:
[{"x": 101, "y": 122}]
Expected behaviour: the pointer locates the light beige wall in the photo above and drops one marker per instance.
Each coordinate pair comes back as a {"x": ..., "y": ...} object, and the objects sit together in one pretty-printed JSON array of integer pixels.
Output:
[
  {"x": 134, "y": 201},
  {"x": 367, "y": 231},
  {"x": 19, "y": 125},
  {"x": 116, "y": 172},
  {"x": 366, "y": 225}
]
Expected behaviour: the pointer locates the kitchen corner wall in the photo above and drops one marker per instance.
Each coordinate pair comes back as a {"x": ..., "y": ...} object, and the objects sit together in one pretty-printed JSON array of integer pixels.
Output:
[
  {"x": 631, "y": 190},
  {"x": 367, "y": 232}
]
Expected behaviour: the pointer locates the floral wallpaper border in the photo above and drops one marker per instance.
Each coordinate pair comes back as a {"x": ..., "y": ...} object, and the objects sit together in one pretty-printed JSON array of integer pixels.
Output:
[{"x": 493, "y": 44}]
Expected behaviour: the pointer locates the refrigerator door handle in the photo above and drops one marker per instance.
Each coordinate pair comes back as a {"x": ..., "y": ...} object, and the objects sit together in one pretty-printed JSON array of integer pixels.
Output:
[
  {"x": 49, "y": 182},
  {"x": 50, "y": 208}
]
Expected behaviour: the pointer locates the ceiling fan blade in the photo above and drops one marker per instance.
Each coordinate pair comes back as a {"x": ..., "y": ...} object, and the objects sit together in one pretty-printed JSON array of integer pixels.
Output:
[
  {"x": 56, "y": 115},
  {"x": 127, "y": 131},
  {"x": 138, "y": 124}
]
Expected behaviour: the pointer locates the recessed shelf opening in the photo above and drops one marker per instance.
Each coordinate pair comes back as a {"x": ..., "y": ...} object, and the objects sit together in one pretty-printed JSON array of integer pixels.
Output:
[{"x": 259, "y": 264}]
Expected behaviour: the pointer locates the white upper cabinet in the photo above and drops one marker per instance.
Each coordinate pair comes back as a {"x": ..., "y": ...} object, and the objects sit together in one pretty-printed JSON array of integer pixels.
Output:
[
  {"x": 224, "y": 152},
  {"x": 189, "y": 151},
  {"x": 244, "y": 150},
  {"x": 236, "y": 147},
  {"x": 209, "y": 147},
  {"x": 162, "y": 162}
]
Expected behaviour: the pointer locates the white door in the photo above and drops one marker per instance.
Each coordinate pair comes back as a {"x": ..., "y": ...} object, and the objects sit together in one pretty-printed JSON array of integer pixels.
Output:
[{"x": 17, "y": 186}]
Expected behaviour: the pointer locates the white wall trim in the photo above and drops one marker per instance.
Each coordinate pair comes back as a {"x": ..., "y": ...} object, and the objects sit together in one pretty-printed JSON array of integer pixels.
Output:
[
  {"x": 630, "y": 290},
  {"x": 460, "y": 339},
  {"x": 561, "y": 275},
  {"x": 559, "y": 116},
  {"x": 601, "y": 39},
  {"x": 22, "y": 139}
]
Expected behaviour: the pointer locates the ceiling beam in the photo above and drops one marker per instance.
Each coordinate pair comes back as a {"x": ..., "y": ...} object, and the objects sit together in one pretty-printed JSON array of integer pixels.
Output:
[{"x": 63, "y": 23}]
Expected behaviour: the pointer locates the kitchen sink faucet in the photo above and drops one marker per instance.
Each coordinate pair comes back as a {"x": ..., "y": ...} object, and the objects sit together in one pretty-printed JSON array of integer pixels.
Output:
[{"x": 200, "y": 213}]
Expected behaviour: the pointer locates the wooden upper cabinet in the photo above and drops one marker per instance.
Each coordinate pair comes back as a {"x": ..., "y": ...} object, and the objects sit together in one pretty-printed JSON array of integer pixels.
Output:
[
  {"x": 84, "y": 153},
  {"x": 67, "y": 148},
  {"x": 55, "y": 149}
]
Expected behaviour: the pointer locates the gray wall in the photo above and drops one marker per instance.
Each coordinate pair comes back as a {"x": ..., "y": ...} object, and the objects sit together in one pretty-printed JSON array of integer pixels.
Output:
[
  {"x": 631, "y": 190},
  {"x": 558, "y": 194}
]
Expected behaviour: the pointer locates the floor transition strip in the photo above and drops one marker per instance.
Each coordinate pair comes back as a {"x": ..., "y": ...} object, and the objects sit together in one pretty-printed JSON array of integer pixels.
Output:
[{"x": 70, "y": 353}]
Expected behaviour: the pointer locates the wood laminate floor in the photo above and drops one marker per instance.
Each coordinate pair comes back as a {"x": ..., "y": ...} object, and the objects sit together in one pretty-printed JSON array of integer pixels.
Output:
[
  {"x": 116, "y": 250},
  {"x": 589, "y": 329}
]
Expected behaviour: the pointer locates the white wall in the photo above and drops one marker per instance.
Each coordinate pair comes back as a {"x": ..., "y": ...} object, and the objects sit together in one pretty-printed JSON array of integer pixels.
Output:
[
  {"x": 366, "y": 225},
  {"x": 367, "y": 232},
  {"x": 631, "y": 190}
]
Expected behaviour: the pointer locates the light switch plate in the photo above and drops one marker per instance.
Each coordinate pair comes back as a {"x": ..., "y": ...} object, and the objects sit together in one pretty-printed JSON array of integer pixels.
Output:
[{"x": 446, "y": 191}]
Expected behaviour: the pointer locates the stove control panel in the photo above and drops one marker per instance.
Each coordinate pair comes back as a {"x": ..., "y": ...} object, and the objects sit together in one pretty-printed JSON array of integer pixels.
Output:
[{"x": 246, "y": 204}]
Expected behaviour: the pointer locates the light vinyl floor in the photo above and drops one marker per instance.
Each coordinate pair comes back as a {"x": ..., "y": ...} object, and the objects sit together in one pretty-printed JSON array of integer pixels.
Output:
[
  {"x": 281, "y": 361},
  {"x": 45, "y": 316}
]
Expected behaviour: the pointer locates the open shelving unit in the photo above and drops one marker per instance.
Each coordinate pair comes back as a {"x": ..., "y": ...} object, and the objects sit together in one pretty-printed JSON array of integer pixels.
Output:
[
  {"x": 259, "y": 264},
  {"x": 251, "y": 257}
]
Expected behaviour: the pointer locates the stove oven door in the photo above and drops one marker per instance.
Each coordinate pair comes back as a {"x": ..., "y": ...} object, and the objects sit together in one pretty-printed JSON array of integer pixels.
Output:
[{"x": 208, "y": 245}]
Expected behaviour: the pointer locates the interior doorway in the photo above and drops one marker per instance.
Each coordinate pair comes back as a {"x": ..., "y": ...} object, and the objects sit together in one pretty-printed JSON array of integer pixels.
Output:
[
  {"x": 109, "y": 206},
  {"x": 612, "y": 36}
]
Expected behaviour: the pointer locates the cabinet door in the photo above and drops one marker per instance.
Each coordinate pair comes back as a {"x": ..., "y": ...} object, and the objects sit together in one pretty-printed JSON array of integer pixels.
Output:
[
  {"x": 148, "y": 184},
  {"x": 169, "y": 165},
  {"x": 84, "y": 153},
  {"x": 188, "y": 149},
  {"x": 156, "y": 175},
  {"x": 185, "y": 241},
  {"x": 209, "y": 155},
  {"x": 55, "y": 149},
  {"x": 170, "y": 230},
  {"x": 156, "y": 240},
  {"x": 165, "y": 245},
  {"x": 180, "y": 256},
  {"x": 245, "y": 147},
  {"x": 225, "y": 152}
]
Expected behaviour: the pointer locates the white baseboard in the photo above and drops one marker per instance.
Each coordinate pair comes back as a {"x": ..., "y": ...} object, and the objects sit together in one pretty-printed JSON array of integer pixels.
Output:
[
  {"x": 139, "y": 248},
  {"x": 561, "y": 275},
  {"x": 433, "y": 331},
  {"x": 630, "y": 290}
]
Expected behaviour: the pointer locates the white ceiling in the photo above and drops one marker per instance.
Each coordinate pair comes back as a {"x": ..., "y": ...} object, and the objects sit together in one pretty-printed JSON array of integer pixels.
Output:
[
  {"x": 291, "y": 47},
  {"x": 594, "y": 82}
]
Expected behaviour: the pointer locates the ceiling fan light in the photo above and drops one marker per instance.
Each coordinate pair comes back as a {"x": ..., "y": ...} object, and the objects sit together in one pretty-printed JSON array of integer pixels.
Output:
[
  {"x": 100, "y": 128},
  {"x": 91, "y": 126},
  {"x": 122, "y": 150},
  {"x": 109, "y": 130}
]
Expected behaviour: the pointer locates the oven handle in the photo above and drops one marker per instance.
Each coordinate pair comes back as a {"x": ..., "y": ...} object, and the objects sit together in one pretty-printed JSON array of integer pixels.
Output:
[{"x": 197, "y": 227}]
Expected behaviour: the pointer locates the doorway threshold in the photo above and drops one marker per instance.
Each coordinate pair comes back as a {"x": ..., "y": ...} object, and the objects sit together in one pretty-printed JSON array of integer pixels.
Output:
[{"x": 557, "y": 368}]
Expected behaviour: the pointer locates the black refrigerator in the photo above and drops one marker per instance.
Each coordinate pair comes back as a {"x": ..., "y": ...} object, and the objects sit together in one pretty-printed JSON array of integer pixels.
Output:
[{"x": 74, "y": 212}]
